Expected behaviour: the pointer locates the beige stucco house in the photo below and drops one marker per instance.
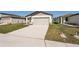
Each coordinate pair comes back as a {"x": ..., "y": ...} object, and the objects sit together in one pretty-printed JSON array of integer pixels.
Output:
[
  {"x": 39, "y": 18},
  {"x": 11, "y": 19}
]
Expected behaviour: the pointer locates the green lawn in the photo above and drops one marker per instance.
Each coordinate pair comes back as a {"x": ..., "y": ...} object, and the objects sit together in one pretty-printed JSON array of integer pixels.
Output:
[
  {"x": 54, "y": 31},
  {"x": 10, "y": 27}
]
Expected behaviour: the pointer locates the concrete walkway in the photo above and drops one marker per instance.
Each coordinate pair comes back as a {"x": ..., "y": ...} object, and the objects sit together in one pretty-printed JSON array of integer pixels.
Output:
[{"x": 59, "y": 44}]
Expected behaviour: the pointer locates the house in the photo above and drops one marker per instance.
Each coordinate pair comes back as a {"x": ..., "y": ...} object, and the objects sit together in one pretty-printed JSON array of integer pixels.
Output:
[
  {"x": 11, "y": 19},
  {"x": 36, "y": 18},
  {"x": 70, "y": 19},
  {"x": 63, "y": 19},
  {"x": 39, "y": 18}
]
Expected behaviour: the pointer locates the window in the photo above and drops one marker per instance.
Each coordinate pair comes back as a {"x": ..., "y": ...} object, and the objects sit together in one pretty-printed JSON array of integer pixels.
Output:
[
  {"x": 29, "y": 19},
  {"x": 66, "y": 19}
]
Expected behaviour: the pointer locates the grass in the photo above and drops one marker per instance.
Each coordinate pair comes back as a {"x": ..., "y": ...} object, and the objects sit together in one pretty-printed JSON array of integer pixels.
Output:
[
  {"x": 10, "y": 27},
  {"x": 54, "y": 31},
  {"x": 70, "y": 32}
]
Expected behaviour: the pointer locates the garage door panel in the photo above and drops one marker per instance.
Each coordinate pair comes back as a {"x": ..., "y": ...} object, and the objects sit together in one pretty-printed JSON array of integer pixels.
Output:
[
  {"x": 41, "y": 18},
  {"x": 41, "y": 21}
]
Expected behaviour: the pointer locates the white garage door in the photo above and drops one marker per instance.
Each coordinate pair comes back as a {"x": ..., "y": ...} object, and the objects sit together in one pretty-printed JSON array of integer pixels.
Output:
[{"x": 41, "y": 20}]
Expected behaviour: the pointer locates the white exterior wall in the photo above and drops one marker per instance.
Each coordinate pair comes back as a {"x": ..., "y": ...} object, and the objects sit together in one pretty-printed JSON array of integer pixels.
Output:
[
  {"x": 5, "y": 20},
  {"x": 40, "y": 17},
  {"x": 61, "y": 20},
  {"x": 9, "y": 20},
  {"x": 18, "y": 20},
  {"x": 50, "y": 17},
  {"x": 27, "y": 21},
  {"x": 51, "y": 20}
]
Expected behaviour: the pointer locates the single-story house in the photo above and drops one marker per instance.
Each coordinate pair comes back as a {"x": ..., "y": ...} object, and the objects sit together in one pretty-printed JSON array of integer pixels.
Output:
[
  {"x": 70, "y": 19},
  {"x": 11, "y": 19},
  {"x": 39, "y": 18}
]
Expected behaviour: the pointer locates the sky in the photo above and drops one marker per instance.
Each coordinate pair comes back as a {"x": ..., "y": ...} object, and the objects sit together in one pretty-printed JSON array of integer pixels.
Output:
[{"x": 55, "y": 13}]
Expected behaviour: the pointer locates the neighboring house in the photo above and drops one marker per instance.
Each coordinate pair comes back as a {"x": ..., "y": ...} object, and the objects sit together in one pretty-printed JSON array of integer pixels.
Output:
[
  {"x": 39, "y": 18},
  {"x": 64, "y": 19},
  {"x": 11, "y": 19},
  {"x": 70, "y": 19}
]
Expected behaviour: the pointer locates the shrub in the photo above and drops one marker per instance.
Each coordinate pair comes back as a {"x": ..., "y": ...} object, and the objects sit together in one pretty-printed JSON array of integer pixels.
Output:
[{"x": 56, "y": 22}]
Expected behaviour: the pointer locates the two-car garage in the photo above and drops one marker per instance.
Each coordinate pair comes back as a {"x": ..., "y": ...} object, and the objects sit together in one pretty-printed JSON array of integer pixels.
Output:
[{"x": 40, "y": 20}]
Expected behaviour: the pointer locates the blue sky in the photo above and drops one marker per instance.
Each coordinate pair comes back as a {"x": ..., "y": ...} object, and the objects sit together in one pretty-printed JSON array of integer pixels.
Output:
[{"x": 55, "y": 13}]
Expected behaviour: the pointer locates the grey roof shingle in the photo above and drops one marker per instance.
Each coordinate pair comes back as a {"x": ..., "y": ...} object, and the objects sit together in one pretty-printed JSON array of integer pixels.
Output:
[
  {"x": 11, "y": 15},
  {"x": 36, "y": 12}
]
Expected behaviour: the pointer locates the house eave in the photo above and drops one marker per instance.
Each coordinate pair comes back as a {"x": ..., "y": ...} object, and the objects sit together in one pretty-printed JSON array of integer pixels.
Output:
[{"x": 36, "y": 12}]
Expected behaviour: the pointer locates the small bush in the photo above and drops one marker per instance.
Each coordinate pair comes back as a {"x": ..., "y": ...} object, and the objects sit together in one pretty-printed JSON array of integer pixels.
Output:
[{"x": 56, "y": 22}]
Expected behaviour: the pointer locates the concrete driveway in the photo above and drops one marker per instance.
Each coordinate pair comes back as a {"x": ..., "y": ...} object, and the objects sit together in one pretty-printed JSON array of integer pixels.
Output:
[
  {"x": 32, "y": 35},
  {"x": 32, "y": 31}
]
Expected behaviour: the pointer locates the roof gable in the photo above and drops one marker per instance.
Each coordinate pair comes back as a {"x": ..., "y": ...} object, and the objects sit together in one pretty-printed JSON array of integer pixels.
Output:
[{"x": 38, "y": 13}]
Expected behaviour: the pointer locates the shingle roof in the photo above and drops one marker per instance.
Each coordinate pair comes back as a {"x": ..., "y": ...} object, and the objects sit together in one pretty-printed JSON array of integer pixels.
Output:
[
  {"x": 67, "y": 15},
  {"x": 36, "y": 12},
  {"x": 70, "y": 15},
  {"x": 13, "y": 17},
  {"x": 9, "y": 14},
  {"x": 74, "y": 14}
]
